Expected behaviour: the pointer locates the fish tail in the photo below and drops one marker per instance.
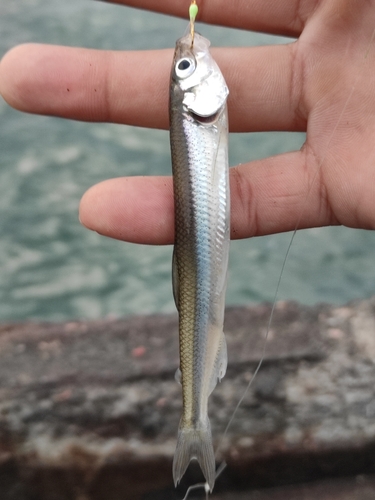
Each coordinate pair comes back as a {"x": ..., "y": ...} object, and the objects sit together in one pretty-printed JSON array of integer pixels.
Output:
[{"x": 195, "y": 442}]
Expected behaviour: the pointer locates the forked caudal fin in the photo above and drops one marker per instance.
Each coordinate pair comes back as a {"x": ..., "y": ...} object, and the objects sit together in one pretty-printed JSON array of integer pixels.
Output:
[{"x": 195, "y": 443}]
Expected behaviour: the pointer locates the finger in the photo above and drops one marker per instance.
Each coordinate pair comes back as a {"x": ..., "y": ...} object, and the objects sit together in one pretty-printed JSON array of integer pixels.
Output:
[
  {"x": 284, "y": 17},
  {"x": 89, "y": 85},
  {"x": 267, "y": 196},
  {"x": 133, "y": 87},
  {"x": 135, "y": 209}
]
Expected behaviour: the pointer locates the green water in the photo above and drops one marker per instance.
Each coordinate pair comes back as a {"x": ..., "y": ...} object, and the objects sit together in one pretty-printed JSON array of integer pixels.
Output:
[{"x": 51, "y": 268}]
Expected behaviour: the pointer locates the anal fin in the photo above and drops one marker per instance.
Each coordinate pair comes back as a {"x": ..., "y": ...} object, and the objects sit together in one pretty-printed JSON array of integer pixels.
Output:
[{"x": 221, "y": 363}]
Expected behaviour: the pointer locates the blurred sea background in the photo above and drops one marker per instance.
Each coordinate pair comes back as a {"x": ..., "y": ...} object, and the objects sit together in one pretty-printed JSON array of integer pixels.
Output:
[{"x": 51, "y": 268}]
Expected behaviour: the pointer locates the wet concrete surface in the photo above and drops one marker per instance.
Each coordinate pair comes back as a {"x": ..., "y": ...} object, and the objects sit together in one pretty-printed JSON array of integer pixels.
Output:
[{"x": 90, "y": 410}]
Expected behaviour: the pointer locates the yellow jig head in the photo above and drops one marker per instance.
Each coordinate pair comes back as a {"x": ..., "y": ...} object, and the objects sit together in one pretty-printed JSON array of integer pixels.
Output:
[{"x": 193, "y": 11}]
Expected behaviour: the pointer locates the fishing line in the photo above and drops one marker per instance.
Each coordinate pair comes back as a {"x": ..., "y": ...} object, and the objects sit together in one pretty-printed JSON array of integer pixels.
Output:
[
  {"x": 205, "y": 485},
  {"x": 269, "y": 324}
]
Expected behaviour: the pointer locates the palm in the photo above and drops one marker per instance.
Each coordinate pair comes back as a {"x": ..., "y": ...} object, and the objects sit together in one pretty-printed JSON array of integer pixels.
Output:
[
  {"x": 322, "y": 83},
  {"x": 340, "y": 102}
]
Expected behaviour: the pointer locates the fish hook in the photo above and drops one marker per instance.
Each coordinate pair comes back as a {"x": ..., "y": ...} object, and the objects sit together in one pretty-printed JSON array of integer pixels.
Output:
[{"x": 193, "y": 11}]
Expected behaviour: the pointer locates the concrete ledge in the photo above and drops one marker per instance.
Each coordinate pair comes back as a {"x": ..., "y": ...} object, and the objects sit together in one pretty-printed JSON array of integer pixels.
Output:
[{"x": 89, "y": 410}]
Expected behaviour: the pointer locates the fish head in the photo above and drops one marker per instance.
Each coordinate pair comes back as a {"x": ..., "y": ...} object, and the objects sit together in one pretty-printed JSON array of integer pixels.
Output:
[{"x": 198, "y": 77}]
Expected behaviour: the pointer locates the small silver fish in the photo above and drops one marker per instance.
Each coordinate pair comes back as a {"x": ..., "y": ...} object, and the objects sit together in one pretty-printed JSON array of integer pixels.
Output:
[{"x": 199, "y": 147}]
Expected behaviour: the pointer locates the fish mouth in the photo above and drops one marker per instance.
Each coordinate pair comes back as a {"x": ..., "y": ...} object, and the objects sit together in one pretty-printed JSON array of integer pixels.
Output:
[{"x": 206, "y": 120}]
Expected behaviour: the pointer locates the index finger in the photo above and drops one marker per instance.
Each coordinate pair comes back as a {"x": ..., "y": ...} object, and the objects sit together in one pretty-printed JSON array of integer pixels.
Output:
[
  {"x": 278, "y": 17},
  {"x": 132, "y": 87}
]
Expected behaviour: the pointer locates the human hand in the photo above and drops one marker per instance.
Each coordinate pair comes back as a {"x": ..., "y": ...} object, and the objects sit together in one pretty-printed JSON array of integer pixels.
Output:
[{"x": 322, "y": 83}]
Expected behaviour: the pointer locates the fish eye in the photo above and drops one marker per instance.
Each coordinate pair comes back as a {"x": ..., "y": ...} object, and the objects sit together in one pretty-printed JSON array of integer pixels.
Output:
[
  {"x": 184, "y": 64},
  {"x": 184, "y": 67}
]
